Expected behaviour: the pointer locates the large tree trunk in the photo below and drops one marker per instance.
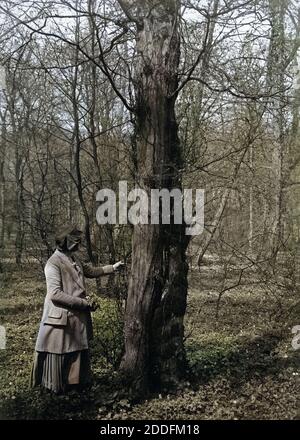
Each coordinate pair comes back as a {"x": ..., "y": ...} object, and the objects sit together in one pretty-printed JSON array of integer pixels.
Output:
[{"x": 156, "y": 303}]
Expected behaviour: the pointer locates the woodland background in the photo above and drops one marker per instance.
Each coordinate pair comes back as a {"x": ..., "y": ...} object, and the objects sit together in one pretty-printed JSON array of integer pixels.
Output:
[{"x": 72, "y": 122}]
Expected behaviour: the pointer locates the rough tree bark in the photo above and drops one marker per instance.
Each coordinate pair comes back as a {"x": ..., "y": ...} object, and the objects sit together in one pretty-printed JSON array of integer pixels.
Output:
[{"x": 156, "y": 303}]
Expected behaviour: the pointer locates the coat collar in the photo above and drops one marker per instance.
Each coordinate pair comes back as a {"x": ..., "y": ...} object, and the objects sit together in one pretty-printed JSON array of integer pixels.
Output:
[{"x": 76, "y": 275}]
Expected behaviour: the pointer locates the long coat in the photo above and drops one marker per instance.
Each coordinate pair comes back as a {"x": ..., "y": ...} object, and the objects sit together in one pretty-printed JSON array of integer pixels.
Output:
[{"x": 66, "y": 323}]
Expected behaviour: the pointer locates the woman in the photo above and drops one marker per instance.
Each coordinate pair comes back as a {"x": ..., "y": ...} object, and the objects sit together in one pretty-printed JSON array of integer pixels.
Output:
[{"x": 62, "y": 357}]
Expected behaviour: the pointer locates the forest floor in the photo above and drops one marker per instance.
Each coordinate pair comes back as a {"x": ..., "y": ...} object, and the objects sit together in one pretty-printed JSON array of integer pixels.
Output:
[{"x": 242, "y": 362}]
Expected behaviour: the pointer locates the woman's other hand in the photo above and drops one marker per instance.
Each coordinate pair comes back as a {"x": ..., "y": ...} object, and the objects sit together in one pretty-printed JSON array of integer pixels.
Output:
[{"x": 93, "y": 306}]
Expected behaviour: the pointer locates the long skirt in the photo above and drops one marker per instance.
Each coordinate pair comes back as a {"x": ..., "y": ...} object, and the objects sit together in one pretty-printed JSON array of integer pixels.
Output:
[{"x": 57, "y": 372}]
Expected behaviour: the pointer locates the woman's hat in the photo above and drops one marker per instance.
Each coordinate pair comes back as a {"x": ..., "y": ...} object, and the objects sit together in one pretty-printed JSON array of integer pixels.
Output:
[{"x": 68, "y": 237}]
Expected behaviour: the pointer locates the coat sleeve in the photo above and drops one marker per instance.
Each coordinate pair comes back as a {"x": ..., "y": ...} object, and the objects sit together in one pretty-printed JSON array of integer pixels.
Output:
[
  {"x": 90, "y": 271},
  {"x": 57, "y": 296}
]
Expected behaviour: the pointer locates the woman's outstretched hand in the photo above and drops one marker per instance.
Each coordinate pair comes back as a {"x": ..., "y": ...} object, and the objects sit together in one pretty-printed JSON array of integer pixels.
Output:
[{"x": 118, "y": 266}]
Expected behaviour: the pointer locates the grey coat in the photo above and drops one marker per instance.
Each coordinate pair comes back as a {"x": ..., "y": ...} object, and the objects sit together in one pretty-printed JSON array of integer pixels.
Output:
[{"x": 66, "y": 323}]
